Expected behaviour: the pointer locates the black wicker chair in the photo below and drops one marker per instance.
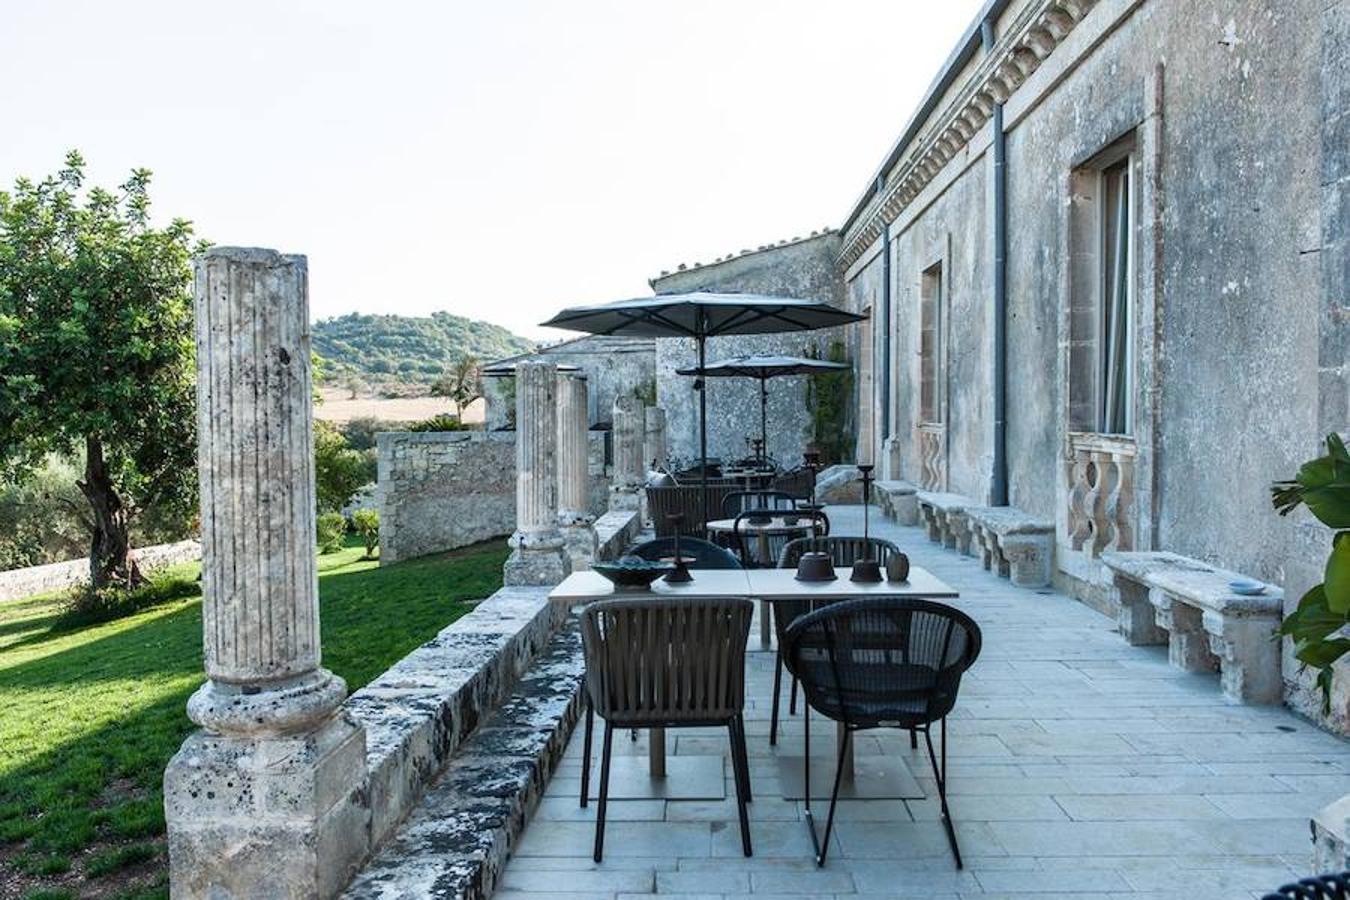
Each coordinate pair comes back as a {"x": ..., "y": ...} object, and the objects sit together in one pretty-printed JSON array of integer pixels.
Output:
[
  {"x": 742, "y": 538},
  {"x": 1323, "y": 887},
  {"x": 883, "y": 662},
  {"x": 674, "y": 662},
  {"x": 737, "y": 502},
  {"x": 844, "y": 550},
  {"x": 704, "y": 554}
]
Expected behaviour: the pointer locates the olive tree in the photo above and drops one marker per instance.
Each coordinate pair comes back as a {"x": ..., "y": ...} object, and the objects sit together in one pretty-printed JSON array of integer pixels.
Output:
[{"x": 96, "y": 351}]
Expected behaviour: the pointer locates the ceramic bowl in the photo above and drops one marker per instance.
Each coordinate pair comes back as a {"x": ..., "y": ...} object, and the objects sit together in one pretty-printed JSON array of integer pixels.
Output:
[
  {"x": 1246, "y": 586},
  {"x": 633, "y": 574}
]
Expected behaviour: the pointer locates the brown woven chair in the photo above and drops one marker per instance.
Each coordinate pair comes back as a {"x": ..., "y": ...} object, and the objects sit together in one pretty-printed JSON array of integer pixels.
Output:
[
  {"x": 686, "y": 501},
  {"x": 844, "y": 550},
  {"x": 666, "y": 663}
]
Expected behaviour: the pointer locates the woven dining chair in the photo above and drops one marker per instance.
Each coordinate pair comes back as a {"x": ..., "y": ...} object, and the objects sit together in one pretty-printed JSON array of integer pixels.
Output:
[
  {"x": 881, "y": 662},
  {"x": 1320, "y": 887},
  {"x": 742, "y": 538},
  {"x": 737, "y": 502},
  {"x": 843, "y": 550},
  {"x": 666, "y": 663}
]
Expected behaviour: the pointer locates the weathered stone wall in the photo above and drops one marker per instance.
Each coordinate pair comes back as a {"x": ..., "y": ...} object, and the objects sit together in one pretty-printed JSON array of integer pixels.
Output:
[
  {"x": 613, "y": 366},
  {"x": 1239, "y": 268},
  {"x": 442, "y": 490},
  {"x": 15, "y": 584},
  {"x": 803, "y": 269}
]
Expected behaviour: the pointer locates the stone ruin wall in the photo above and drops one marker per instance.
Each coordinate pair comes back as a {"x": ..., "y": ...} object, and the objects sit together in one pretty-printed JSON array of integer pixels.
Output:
[{"x": 438, "y": 491}]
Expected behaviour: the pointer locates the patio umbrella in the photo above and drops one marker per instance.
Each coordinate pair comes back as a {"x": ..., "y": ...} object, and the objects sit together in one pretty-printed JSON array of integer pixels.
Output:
[
  {"x": 701, "y": 315},
  {"x": 763, "y": 368}
]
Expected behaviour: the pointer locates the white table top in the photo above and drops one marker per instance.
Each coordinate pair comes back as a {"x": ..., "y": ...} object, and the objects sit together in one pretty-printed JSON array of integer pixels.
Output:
[
  {"x": 775, "y": 584},
  {"x": 758, "y": 584},
  {"x": 775, "y": 525}
]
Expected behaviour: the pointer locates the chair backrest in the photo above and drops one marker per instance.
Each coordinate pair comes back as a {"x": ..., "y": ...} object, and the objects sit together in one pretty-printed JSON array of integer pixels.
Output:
[
  {"x": 746, "y": 542},
  {"x": 797, "y": 482},
  {"x": 706, "y": 555},
  {"x": 882, "y": 660},
  {"x": 844, "y": 550},
  {"x": 737, "y": 502},
  {"x": 667, "y": 661},
  {"x": 685, "y": 500}
]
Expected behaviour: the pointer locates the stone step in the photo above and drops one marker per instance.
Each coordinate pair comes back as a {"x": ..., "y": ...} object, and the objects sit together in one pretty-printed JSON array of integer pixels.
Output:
[{"x": 456, "y": 842}]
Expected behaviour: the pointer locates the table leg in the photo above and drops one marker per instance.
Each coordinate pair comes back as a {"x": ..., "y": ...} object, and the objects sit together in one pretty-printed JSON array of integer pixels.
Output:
[
  {"x": 656, "y": 752},
  {"x": 765, "y": 625}
]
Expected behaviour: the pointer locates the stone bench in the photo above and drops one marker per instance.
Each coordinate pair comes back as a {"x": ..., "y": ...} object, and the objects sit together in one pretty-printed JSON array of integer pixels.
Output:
[
  {"x": 1188, "y": 604},
  {"x": 944, "y": 518},
  {"x": 1012, "y": 543},
  {"x": 898, "y": 500}
]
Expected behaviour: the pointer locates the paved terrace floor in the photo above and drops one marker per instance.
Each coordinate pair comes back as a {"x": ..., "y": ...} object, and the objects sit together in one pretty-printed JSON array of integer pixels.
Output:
[{"x": 1079, "y": 766}]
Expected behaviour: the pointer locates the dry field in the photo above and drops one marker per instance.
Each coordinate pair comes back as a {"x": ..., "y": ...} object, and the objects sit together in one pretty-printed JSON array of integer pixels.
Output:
[{"x": 337, "y": 406}]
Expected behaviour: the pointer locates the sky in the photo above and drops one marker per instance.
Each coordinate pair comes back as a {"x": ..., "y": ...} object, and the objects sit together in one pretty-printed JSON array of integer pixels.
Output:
[{"x": 499, "y": 159}]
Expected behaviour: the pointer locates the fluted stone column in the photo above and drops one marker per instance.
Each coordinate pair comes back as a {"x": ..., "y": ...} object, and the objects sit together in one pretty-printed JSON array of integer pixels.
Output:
[
  {"x": 537, "y": 554},
  {"x": 629, "y": 425},
  {"x": 267, "y": 799},
  {"x": 654, "y": 439},
  {"x": 574, "y": 475}
]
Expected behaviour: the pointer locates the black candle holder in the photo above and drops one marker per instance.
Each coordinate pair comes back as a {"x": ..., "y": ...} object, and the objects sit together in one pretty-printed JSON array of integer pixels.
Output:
[
  {"x": 866, "y": 570},
  {"x": 680, "y": 574}
]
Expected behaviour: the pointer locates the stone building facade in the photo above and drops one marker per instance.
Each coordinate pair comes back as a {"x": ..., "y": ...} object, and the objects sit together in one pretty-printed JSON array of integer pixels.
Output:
[
  {"x": 803, "y": 268},
  {"x": 612, "y": 365},
  {"x": 1158, "y": 194}
]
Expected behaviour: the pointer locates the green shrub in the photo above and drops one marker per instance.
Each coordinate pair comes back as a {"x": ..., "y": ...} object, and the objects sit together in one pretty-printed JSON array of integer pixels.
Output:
[
  {"x": 85, "y": 605},
  {"x": 366, "y": 522},
  {"x": 339, "y": 471},
  {"x": 442, "y": 422},
  {"x": 829, "y": 397},
  {"x": 332, "y": 528}
]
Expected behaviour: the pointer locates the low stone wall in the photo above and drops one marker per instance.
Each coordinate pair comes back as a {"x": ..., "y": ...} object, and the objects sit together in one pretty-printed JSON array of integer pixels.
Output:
[
  {"x": 17, "y": 584},
  {"x": 441, "y": 490}
]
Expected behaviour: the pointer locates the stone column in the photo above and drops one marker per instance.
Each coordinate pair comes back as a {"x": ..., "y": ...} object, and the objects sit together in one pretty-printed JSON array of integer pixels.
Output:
[
  {"x": 629, "y": 426},
  {"x": 537, "y": 555},
  {"x": 574, "y": 476},
  {"x": 267, "y": 799},
  {"x": 654, "y": 440}
]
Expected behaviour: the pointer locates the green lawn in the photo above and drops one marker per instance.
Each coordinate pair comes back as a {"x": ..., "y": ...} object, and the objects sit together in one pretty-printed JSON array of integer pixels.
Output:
[{"x": 89, "y": 717}]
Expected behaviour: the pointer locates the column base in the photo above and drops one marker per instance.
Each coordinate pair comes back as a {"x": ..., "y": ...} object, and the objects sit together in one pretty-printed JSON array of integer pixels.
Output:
[
  {"x": 292, "y": 705},
  {"x": 581, "y": 544},
  {"x": 268, "y": 816},
  {"x": 536, "y": 566}
]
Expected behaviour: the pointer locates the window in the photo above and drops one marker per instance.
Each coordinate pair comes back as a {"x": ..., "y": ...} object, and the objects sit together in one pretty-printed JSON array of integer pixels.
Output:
[
  {"x": 1101, "y": 295},
  {"x": 1115, "y": 330},
  {"x": 930, "y": 344}
]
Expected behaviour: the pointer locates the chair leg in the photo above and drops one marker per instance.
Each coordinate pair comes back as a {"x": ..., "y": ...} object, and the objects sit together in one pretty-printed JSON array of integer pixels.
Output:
[
  {"x": 586, "y": 752},
  {"x": 742, "y": 783},
  {"x": 940, "y": 776},
  {"x": 914, "y": 739},
  {"x": 777, "y": 689},
  {"x": 745, "y": 758},
  {"x": 792, "y": 698},
  {"x": 604, "y": 793},
  {"x": 823, "y": 848}
]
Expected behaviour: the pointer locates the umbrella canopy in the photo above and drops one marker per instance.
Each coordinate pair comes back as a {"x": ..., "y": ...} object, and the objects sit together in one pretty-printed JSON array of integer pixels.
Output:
[
  {"x": 763, "y": 368},
  {"x": 701, "y": 315}
]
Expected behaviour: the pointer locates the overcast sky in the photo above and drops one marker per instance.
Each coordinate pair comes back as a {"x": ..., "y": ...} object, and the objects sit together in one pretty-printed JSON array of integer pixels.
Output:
[{"x": 499, "y": 159}]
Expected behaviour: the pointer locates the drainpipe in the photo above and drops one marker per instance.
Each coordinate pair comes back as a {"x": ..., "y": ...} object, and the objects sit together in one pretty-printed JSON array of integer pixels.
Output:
[
  {"x": 998, "y": 488},
  {"x": 885, "y": 319}
]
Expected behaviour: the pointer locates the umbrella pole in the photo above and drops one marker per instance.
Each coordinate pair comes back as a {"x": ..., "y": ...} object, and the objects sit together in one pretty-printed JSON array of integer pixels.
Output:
[
  {"x": 703, "y": 428},
  {"x": 763, "y": 419}
]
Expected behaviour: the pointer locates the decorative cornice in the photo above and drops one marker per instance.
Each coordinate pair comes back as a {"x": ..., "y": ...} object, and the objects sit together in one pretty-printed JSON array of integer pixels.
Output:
[{"x": 1026, "y": 43}]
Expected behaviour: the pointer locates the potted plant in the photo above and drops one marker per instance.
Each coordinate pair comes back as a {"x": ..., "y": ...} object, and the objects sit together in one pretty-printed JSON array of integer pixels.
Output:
[{"x": 1318, "y": 627}]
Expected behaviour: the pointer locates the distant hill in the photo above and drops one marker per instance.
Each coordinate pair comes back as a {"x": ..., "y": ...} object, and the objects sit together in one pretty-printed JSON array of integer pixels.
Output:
[{"x": 408, "y": 349}]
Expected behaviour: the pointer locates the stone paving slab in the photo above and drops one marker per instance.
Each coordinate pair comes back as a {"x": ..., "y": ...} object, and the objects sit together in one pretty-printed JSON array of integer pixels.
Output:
[{"x": 1080, "y": 767}]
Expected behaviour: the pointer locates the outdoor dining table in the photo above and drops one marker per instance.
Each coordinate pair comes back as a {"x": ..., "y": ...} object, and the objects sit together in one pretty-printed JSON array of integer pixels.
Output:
[
  {"x": 885, "y": 777},
  {"x": 877, "y": 777}
]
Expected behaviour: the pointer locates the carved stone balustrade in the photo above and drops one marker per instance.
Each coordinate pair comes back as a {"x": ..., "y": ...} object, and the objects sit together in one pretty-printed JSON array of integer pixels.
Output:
[{"x": 1101, "y": 493}]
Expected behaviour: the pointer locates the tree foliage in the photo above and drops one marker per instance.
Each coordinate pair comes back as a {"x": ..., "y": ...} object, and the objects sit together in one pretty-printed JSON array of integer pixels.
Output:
[
  {"x": 408, "y": 348},
  {"x": 1318, "y": 626},
  {"x": 339, "y": 471},
  {"x": 462, "y": 382},
  {"x": 829, "y": 396},
  {"x": 96, "y": 350}
]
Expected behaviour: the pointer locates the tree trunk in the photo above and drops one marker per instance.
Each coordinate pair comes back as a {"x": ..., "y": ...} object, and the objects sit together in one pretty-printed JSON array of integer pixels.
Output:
[{"x": 110, "y": 560}]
